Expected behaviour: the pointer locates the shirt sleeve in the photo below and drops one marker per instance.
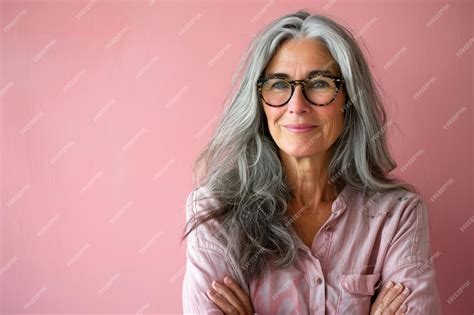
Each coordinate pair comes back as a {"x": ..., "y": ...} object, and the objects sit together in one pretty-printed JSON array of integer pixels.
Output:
[
  {"x": 409, "y": 260},
  {"x": 204, "y": 263}
]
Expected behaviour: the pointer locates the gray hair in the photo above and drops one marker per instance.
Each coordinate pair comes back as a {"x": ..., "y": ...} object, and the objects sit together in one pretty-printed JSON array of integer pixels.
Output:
[{"x": 241, "y": 167}]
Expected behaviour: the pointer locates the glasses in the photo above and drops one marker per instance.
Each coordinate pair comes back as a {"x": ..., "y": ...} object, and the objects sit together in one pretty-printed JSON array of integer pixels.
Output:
[{"x": 319, "y": 90}]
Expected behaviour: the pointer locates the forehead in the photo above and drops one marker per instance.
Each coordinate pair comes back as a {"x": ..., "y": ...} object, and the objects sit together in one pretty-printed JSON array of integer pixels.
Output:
[{"x": 301, "y": 56}]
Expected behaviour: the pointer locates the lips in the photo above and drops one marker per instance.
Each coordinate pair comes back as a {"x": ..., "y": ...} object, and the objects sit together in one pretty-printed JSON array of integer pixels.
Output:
[{"x": 300, "y": 128}]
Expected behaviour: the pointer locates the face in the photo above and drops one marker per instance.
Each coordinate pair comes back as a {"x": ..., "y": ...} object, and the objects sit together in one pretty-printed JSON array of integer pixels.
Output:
[{"x": 297, "y": 58}]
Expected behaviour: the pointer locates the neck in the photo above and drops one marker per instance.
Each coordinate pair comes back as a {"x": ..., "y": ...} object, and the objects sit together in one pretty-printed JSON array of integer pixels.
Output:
[{"x": 308, "y": 179}]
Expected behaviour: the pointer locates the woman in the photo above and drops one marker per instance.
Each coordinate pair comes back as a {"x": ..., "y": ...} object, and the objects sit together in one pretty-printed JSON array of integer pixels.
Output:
[{"x": 294, "y": 202}]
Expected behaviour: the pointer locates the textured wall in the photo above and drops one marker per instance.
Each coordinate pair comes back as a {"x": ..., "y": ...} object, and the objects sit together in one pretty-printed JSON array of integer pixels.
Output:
[{"x": 105, "y": 104}]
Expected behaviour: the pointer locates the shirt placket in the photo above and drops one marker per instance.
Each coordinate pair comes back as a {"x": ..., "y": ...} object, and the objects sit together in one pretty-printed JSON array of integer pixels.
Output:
[{"x": 317, "y": 282}]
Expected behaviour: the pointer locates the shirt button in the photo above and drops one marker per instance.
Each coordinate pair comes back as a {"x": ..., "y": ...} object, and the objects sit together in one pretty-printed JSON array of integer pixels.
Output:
[{"x": 319, "y": 280}]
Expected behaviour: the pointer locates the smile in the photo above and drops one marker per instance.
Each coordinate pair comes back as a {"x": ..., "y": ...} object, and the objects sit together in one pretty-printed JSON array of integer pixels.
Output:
[{"x": 300, "y": 129}]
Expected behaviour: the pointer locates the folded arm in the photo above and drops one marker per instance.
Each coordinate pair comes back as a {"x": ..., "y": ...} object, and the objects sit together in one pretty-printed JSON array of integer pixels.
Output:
[{"x": 409, "y": 261}]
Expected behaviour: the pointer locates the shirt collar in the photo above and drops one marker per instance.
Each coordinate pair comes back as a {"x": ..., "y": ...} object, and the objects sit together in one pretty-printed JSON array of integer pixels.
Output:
[
  {"x": 339, "y": 205},
  {"x": 342, "y": 200}
]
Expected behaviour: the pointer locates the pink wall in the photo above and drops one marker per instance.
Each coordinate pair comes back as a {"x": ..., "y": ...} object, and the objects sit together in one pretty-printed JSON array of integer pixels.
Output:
[{"x": 105, "y": 104}]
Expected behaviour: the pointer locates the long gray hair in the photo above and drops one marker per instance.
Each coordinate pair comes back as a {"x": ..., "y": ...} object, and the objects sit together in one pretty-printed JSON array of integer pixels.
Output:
[{"x": 241, "y": 165}]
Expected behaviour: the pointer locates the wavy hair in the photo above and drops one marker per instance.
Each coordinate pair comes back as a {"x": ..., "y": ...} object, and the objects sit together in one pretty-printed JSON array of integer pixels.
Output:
[{"x": 241, "y": 168}]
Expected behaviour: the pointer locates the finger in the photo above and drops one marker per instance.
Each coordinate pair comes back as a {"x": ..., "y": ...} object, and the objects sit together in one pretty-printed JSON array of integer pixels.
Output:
[
  {"x": 402, "y": 310},
  {"x": 229, "y": 296},
  {"x": 397, "y": 303},
  {"x": 385, "y": 289},
  {"x": 388, "y": 294},
  {"x": 391, "y": 295},
  {"x": 380, "y": 304},
  {"x": 244, "y": 298},
  {"x": 221, "y": 303}
]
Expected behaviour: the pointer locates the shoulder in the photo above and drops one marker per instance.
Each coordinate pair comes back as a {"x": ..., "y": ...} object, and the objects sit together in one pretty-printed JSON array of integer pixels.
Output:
[
  {"x": 396, "y": 202},
  {"x": 405, "y": 205},
  {"x": 407, "y": 229},
  {"x": 199, "y": 202},
  {"x": 406, "y": 220}
]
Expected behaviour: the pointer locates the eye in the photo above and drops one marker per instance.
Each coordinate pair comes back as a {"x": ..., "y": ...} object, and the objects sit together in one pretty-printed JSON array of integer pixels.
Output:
[
  {"x": 321, "y": 84},
  {"x": 280, "y": 84},
  {"x": 318, "y": 84}
]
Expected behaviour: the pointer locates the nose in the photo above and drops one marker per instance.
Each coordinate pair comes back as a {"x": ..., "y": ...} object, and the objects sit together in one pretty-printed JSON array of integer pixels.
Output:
[{"x": 298, "y": 103}]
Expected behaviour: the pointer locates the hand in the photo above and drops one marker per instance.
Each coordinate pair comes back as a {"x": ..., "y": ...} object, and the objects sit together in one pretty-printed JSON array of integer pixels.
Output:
[
  {"x": 230, "y": 298},
  {"x": 389, "y": 301}
]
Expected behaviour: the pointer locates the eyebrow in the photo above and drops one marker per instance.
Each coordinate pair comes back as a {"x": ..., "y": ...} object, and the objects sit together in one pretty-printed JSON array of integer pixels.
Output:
[{"x": 310, "y": 74}]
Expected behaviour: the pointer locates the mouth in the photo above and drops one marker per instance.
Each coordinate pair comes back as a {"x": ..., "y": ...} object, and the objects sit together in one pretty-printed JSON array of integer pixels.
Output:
[{"x": 300, "y": 128}]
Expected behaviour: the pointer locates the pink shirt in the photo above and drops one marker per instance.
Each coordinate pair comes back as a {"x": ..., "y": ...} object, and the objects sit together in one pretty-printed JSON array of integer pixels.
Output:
[{"x": 364, "y": 244}]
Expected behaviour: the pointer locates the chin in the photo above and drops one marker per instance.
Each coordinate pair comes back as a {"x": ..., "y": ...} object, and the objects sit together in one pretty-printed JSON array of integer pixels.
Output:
[{"x": 302, "y": 150}]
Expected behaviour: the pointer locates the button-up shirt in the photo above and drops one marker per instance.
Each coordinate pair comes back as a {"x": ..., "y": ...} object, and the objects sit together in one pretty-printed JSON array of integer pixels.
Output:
[{"x": 366, "y": 242}]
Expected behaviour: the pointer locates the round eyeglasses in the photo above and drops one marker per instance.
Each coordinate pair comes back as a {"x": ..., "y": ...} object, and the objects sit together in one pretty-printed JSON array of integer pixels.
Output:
[{"x": 319, "y": 90}]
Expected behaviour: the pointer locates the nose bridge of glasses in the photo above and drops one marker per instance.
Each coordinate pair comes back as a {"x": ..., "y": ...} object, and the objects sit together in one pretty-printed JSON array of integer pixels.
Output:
[
  {"x": 294, "y": 85},
  {"x": 298, "y": 82},
  {"x": 301, "y": 83}
]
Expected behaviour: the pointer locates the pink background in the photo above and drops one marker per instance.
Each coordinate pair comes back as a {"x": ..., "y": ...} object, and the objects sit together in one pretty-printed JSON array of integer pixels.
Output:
[{"x": 105, "y": 105}]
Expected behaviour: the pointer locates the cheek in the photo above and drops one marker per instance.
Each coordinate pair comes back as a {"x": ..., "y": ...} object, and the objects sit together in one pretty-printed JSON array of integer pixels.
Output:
[
  {"x": 334, "y": 122},
  {"x": 273, "y": 116},
  {"x": 331, "y": 113}
]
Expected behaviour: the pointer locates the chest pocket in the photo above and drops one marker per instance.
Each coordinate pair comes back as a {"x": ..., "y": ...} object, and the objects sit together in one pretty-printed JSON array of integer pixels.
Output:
[
  {"x": 360, "y": 284},
  {"x": 356, "y": 292}
]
